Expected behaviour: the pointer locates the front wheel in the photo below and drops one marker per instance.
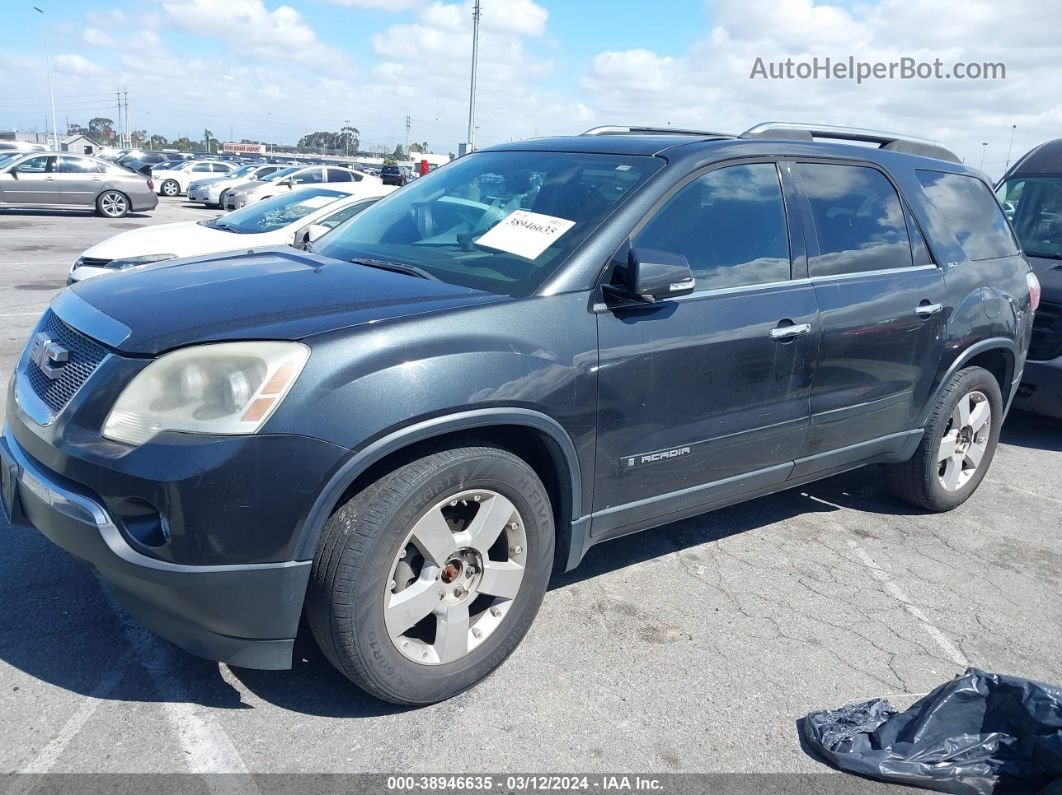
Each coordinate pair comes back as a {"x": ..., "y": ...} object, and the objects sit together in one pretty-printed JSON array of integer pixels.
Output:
[
  {"x": 112, "y": 204},
  {"x": 426, "y": 580},
  {"x": 957, "y": 447}
]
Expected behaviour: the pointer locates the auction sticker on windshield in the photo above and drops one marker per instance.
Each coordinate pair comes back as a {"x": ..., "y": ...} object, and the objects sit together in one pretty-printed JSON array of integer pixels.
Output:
[{"x": 525, "y": 234}]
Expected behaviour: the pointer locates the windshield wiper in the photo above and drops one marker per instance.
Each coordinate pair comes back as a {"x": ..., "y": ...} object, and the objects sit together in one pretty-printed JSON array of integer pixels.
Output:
[
  {"x": 395, "y": 267},
  {"x": 1043, "y": 254}
]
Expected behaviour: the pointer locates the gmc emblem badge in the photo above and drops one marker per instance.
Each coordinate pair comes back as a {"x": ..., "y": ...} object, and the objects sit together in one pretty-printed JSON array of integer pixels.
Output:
[{"x": 48, "y": 355}]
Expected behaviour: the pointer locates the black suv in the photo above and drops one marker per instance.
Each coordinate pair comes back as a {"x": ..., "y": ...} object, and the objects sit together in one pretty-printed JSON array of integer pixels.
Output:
[
  {"x": 1031, "y": 193},
  {"x": 542, "y": 346},
  {"x": 393, "y": 175}
]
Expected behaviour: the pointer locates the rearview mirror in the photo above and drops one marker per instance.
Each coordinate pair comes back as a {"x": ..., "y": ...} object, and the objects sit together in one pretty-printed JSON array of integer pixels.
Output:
[{"x": 652, "y": 275}]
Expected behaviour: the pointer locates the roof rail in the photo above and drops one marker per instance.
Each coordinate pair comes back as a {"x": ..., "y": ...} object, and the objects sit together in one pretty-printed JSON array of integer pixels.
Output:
[
  {"x": 893, "y": 142},
  {"x": 614, "y": 129}
]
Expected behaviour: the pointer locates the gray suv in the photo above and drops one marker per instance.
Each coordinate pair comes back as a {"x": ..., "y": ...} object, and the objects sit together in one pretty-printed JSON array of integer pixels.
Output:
[{"x": 62, "y": 180}]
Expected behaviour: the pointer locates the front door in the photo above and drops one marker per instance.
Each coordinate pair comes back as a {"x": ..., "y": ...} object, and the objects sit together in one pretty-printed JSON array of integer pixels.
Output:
[
  {"x": 706, "y": 395},
  {"x": 31, "y": 182},
  {"x": 882, "y": 309}
]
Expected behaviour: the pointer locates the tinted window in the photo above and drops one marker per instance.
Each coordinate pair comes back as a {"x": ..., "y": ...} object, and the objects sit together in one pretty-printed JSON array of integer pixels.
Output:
[
  {"x": 858, "y": 218},
  {"x": 201, "y": 167},
  {"x": 223, "y": 168},
  {"x": 77, "y": 165},
  {"x": 338, "y": 175},
  {"x": 35, "y": 165},
  {"x": 1034, "y": 206},
  {"x": 971, "y": 212},
  {"x": 730, "y": 224},
  {"x": 338, "y": 217},
  {"x": 310, "y": 175}
]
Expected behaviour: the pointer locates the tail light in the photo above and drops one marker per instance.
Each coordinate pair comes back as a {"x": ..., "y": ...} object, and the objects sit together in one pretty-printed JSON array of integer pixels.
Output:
[
  {"x": 1034, "y": 291},
  {"x": 151, "y": 184}
]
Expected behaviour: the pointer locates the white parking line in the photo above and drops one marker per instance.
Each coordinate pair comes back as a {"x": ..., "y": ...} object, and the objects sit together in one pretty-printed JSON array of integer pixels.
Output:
[
  {"x": 49, "y": 755},
  {"x": 896, "y": 592}
]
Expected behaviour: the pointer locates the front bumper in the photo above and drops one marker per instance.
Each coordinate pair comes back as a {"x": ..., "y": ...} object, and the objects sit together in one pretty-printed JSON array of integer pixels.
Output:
[
  {"x": 245, "y": 615},
  {"x": 235, "y": 202},
  {"x": 1040, "y": 390}
]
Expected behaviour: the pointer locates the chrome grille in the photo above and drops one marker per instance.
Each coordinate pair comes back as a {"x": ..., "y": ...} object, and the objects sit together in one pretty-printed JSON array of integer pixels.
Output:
[{"x": 84, "y": 357}]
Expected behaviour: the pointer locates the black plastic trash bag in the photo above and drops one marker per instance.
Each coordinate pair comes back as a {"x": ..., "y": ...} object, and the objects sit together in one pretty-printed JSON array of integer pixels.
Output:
[{"x": 977, "y": 734}]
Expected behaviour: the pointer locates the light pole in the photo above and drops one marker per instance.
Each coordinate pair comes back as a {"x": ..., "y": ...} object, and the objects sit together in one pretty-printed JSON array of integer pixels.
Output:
[
  {"x": 1013, "y": 127},
  {"x": 51, "y": 94},
  {"x": 346, "y": 138},
  {"x": 984, "y": 148},
  {"x": 269, "y": 128},
  {"x": 472, "y": 90}
]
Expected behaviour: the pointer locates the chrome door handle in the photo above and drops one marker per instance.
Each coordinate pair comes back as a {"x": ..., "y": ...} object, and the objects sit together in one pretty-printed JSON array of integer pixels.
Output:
[
  {"x": 928, "y": 310},
  {"x": 789, "y": 332}
]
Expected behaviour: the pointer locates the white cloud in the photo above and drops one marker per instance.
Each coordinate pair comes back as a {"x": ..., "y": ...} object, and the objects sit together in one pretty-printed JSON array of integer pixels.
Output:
[
  {"x": 94, "y": 37},
  {"x": 76, "y": 65},
  {"x": 377, "y": 5},
  {"x": 709, "y": 85},
  {"x": 253, "y": 29}
]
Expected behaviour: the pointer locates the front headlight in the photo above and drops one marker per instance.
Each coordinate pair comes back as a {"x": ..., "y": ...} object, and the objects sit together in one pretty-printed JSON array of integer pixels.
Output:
[
  {"x": 143, "y": 259},
  {"x": 226, "y": 388}
]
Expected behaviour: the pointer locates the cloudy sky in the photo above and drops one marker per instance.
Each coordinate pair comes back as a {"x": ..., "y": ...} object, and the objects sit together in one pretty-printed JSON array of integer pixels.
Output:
[{"x": 262, "y": 68}]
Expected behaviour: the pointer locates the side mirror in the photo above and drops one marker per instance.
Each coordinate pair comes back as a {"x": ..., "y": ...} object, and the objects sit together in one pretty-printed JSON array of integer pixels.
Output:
[
  {"x": 652, "y": 275},
  {"x": 310, "y": 233}
]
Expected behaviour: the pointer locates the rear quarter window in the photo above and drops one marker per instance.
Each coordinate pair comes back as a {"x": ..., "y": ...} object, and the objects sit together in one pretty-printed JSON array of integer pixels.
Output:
[{"x": 972, "y": 213}]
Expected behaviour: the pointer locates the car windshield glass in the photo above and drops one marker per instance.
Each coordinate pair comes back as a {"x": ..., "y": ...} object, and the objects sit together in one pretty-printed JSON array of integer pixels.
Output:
[
  {"x": 241, "y": 171},
  {"x": 1034, "y": 207},
  {"x": 274, "y": 213},
  {"x": 6, "y": 160},
  {"x": 502, "y": 222},
  {"x": 279, "y": 174}
]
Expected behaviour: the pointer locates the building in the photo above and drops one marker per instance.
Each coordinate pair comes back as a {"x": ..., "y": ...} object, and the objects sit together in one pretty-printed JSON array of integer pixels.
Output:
[{"x": 80, "y": 145}]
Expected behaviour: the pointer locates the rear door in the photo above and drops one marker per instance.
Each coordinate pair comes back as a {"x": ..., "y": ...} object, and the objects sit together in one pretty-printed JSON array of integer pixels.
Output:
[
  {"x": 881, "y": 303},
  {"x": 31, "y": 182},
  {"x": 79, "y": 180},
  {"x": 707, "y": 395}
]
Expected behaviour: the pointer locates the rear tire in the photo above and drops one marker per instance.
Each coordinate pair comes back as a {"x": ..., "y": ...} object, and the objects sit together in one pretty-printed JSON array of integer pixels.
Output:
[
  {"x": 171, "y": 188},
  {"x": 112, "y": 204},
  {"x": 957, "y": 447},
  {"x": 426, "y": 580}
]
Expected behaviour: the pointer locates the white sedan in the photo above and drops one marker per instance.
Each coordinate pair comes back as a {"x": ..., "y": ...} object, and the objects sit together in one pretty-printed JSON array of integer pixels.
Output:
[
  {"x": 292, "y": 179},
  {"x": 173, "y": 181},
  {"x": 289, "y": 219}
]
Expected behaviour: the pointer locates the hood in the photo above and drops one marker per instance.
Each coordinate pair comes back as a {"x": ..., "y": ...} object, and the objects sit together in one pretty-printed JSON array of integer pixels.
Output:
[
  {"x": 274, "y": 293},
  {"x": 184, "y": 239},
  {"x": 207, "y": 180},
  {"x": 1049, "y": 272}
]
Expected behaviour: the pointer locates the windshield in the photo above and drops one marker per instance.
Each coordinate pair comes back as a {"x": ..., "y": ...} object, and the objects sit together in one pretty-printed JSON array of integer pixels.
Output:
[
  {"x": 496, "y": 221},
  {"x": 242, "y": 171},
  {"x": 279, "y": 174},
  {"x": 1034, "y": 207},
  {"x": 8, "y": 159},
  {"x": 277, "y": 212}
]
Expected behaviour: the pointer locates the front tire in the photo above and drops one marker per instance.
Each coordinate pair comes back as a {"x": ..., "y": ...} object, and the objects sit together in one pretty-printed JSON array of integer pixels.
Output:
[
  {"x": 426, "y": 580},
  {"x": 957, "y": 447},
  {"x": 112, "y": 204}
]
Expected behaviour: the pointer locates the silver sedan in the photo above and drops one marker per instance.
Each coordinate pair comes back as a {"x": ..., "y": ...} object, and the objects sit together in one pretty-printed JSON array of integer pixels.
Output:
[{"x": 58, "y": 179}]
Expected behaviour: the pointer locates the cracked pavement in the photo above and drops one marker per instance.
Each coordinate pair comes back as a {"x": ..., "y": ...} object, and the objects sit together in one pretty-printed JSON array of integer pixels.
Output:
[{"x": 694, "y": 647}]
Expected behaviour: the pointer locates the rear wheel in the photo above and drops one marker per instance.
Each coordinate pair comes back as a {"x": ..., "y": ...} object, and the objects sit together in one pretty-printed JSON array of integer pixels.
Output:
[
  {"x": 426, "y": 580},
  {"x": 958, "y": 445},
  {"x": 171, "y": 188},
  {"x": 112, "y": 204}
]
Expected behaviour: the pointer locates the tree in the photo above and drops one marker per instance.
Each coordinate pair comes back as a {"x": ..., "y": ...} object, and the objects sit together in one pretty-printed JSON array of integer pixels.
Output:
[
  {"x": 183, "y": 144},
  {"x": 420, "y": 148},
  {"x": 101, "y": 128},
  {"x": 76, "y": 129},
  {"x": 399, "y": 153},
  {"x": 139, "y": 137},
  {"x": 207, "y": 138},
  {"x": 158, "y": 141},
  {"x": 349, "y": 140}
]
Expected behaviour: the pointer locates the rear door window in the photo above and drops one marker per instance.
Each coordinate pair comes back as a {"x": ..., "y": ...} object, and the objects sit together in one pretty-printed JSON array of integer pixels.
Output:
[
  {"x": 78, "y": 165},
  {"x": 338, "y": 175},
  {"x": 859, "y": 224},
  {"x": 971, "y": 212}
]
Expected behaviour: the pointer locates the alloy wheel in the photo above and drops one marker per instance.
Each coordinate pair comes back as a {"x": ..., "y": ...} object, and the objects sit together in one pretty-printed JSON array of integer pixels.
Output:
[
  {"x": 113, "y": 204},
  {"x": 965, "y": 441},
  {"x": 455, "y": 576}
]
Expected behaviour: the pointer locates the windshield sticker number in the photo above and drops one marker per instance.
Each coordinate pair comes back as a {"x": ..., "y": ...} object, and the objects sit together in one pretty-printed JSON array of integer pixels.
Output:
[{"x": 525, "y": 234}]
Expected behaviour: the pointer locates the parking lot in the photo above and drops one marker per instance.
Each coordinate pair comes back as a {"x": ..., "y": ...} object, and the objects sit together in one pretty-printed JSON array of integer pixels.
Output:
[{"x": 692, "y": 648}]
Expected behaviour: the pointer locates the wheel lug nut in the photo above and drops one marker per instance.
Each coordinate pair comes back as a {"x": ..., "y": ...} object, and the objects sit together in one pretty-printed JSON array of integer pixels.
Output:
[
  {"x": 392, "y": 585},
  {"x": 453, "y": 503},
  {"x": 513, "y": 526},
  {"x": 515, "y": 550},
  {"x": 495, "y": 611},
  {"x": 477, "y": 498},
  {"x": 477, "y": 632}
]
